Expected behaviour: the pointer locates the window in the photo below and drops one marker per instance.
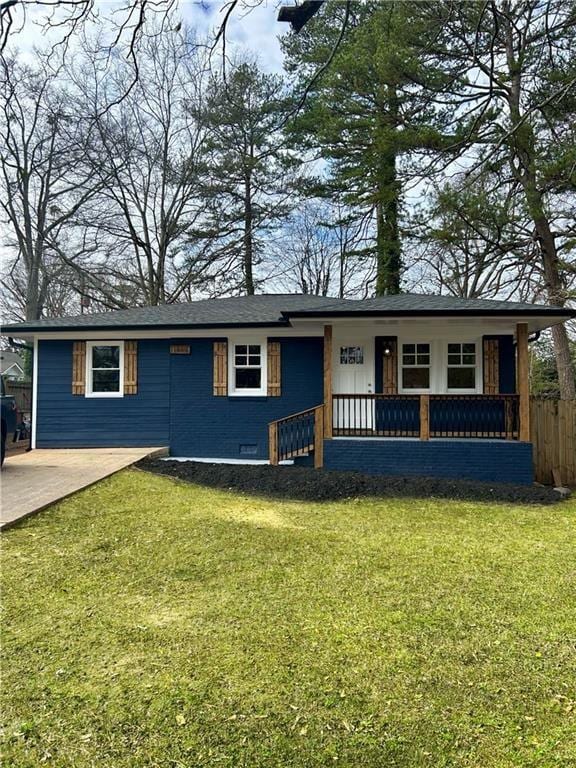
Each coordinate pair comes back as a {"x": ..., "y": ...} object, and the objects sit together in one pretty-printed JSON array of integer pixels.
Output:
[
  {"x": 105, "y": 374},
  {"x": 247, "y": 366},
  {"x": 461, "y": 366},
  {"x": 416, "y": 366},
  {"x": 351, "y": 355}
]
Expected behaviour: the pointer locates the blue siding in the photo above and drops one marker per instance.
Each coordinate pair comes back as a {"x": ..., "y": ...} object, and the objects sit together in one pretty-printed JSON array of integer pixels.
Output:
[
  {"x": 485, "y": 460},
  {"x": 202, "y": 425},
  {"x": 175, "y": 406},
  {"x": 66, "y": 420}
]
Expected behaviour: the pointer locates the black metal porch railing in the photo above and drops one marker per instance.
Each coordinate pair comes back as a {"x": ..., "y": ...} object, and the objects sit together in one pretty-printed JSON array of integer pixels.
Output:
[
  {"x": 376, "y": 415},
  {"x": 478, "y": 416},
  {"x": 425, "y": 416}
]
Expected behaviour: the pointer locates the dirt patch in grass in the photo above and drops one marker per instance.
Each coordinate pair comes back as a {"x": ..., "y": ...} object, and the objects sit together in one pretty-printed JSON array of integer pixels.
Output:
[{"x": 307, "y": 484}]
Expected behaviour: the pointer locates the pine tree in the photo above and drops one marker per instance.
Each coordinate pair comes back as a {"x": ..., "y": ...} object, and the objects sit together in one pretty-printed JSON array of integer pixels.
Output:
[
  {"x": 366, "y": 112},
  {"x": 251, "y": 173}
]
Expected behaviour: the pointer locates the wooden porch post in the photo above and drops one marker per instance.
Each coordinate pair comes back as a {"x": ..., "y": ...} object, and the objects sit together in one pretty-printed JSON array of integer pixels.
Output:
[
  {"x": 273, "y": 443},
  {"x": 523, "y": 380},
  {"x": 424, "y": 417},
  {"x": 328, "y": 381}
]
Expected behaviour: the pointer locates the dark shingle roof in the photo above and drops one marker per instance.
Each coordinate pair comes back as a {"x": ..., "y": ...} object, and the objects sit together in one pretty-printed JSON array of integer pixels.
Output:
[
  {"x": 276, "y": 310},
  {"x": 208, "y": 313},
  {"x": 416, "y": 303}
]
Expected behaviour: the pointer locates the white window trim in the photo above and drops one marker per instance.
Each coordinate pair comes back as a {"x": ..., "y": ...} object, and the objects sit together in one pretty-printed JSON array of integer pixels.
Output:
[
  {"x": 107, "y": 343},
  {"x": 476, "y": 366},
  {"x": 439, "y": 364},
  {"x": 401, "y": 366},
  {"x": 262, "y": 391}
]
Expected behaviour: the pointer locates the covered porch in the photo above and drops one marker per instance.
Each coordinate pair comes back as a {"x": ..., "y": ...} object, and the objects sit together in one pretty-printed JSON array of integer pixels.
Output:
[{"x": 402, "y": 387}]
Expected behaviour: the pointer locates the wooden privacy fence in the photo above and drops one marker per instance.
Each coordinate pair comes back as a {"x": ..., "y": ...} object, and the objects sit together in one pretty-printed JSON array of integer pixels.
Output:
[
  {"x": 22, "y": 393},
  {"x": 553, "y": 434}
]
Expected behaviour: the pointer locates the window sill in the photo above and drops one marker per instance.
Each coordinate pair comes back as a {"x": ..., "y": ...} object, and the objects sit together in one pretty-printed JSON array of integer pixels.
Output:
[{"x": 104, "y": 395}]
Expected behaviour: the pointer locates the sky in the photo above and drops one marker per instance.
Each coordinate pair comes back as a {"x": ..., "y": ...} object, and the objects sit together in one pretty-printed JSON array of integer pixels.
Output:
[
  {"x": 254, "y": 28},
  {"x": 253, "y": 25}
]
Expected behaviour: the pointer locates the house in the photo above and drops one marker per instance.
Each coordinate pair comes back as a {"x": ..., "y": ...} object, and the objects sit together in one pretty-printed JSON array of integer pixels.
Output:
[
  {"x": 406, "y": 384},
  {"x": 11, "y": 366}
]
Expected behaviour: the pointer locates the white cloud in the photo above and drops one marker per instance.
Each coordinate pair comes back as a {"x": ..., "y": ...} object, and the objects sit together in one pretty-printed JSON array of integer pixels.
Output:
[{"x": 252, "y": 27}]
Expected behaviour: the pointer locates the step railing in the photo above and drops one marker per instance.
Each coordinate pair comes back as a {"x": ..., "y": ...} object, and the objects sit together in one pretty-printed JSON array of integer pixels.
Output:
[
  {"x": 297, "y": 435},
  {"x": 425, "y": 416}
]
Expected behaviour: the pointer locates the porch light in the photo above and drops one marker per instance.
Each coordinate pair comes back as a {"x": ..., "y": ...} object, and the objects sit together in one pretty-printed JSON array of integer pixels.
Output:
[{"x": 387, "y": 351}]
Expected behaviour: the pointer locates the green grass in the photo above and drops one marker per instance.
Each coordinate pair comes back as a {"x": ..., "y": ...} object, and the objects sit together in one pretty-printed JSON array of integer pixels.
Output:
[{"x": 153, "y": 623}]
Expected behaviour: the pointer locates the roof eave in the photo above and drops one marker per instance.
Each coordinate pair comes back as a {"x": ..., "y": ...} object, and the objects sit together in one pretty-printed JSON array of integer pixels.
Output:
[
  {"x": 27, "y": 330},
  {"x": 542, "y": 312}
]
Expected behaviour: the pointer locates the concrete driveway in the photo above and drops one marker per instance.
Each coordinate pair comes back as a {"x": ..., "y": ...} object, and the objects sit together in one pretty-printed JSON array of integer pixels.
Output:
[{"x": 32, "y": 481}]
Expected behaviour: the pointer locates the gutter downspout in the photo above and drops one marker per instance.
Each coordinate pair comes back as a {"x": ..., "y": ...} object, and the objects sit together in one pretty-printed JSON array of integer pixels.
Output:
[{"x": 532, "y": 339}]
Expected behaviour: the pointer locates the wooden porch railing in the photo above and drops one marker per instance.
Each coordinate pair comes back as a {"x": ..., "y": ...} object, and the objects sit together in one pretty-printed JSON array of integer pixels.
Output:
[
  {"x": 426, "y": 416},
  {"x": 297, "y": 435}
]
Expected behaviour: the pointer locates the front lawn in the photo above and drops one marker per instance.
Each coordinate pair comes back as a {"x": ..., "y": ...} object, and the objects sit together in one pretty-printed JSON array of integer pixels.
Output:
[{"x": 152, "y": 623}]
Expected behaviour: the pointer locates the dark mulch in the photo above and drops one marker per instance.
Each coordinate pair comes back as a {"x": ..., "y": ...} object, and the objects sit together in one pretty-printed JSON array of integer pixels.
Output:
[{"x": 307, "y": 484}]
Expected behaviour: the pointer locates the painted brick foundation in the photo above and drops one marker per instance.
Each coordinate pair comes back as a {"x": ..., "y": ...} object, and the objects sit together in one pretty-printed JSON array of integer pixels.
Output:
[{"x": 496, "y": 461}]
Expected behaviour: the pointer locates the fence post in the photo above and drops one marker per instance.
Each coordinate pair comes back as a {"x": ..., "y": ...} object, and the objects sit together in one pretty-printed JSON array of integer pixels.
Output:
[
  {"x": 424, "y": 417},
  {"x": 273, "y": 443},
  {"x": 319, "y": 437}
]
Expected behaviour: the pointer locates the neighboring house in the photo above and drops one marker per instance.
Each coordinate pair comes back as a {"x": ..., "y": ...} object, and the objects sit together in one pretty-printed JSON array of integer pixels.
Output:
[
  {"x": 11, "y": 366},
  {"x": 402, "y": 385}
]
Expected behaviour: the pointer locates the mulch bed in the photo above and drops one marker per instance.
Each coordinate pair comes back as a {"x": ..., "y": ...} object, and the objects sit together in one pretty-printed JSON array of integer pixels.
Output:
[{"x": 307, "y": 484}]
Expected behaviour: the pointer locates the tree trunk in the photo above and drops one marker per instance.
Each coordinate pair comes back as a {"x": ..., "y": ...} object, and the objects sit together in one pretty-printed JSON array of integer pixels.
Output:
[
  {"x": 33, "y": 262},
  {"x": 248, "y": 241},
  {"x": 554, "y": 289},
  {"x": 33, "y": 311},
  {"x": 524, "y": 155},
  {"x": 388, "y": 258}
]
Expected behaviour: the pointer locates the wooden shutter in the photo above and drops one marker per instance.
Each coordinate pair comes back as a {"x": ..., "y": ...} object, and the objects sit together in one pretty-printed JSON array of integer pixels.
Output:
[
  {"x": 491, "y": 366},
  {"x": 130, "y": 367},
  {"x": 220, "y": 368},
  {"x": 274, "y": 369},
  {"x": 79, "y": 368},
  {"x": 390, "y": 366}
]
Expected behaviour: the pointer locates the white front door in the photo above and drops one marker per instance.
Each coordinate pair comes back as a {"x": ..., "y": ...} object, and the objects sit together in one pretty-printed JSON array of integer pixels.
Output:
[{"x": 353, "y": 374}]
